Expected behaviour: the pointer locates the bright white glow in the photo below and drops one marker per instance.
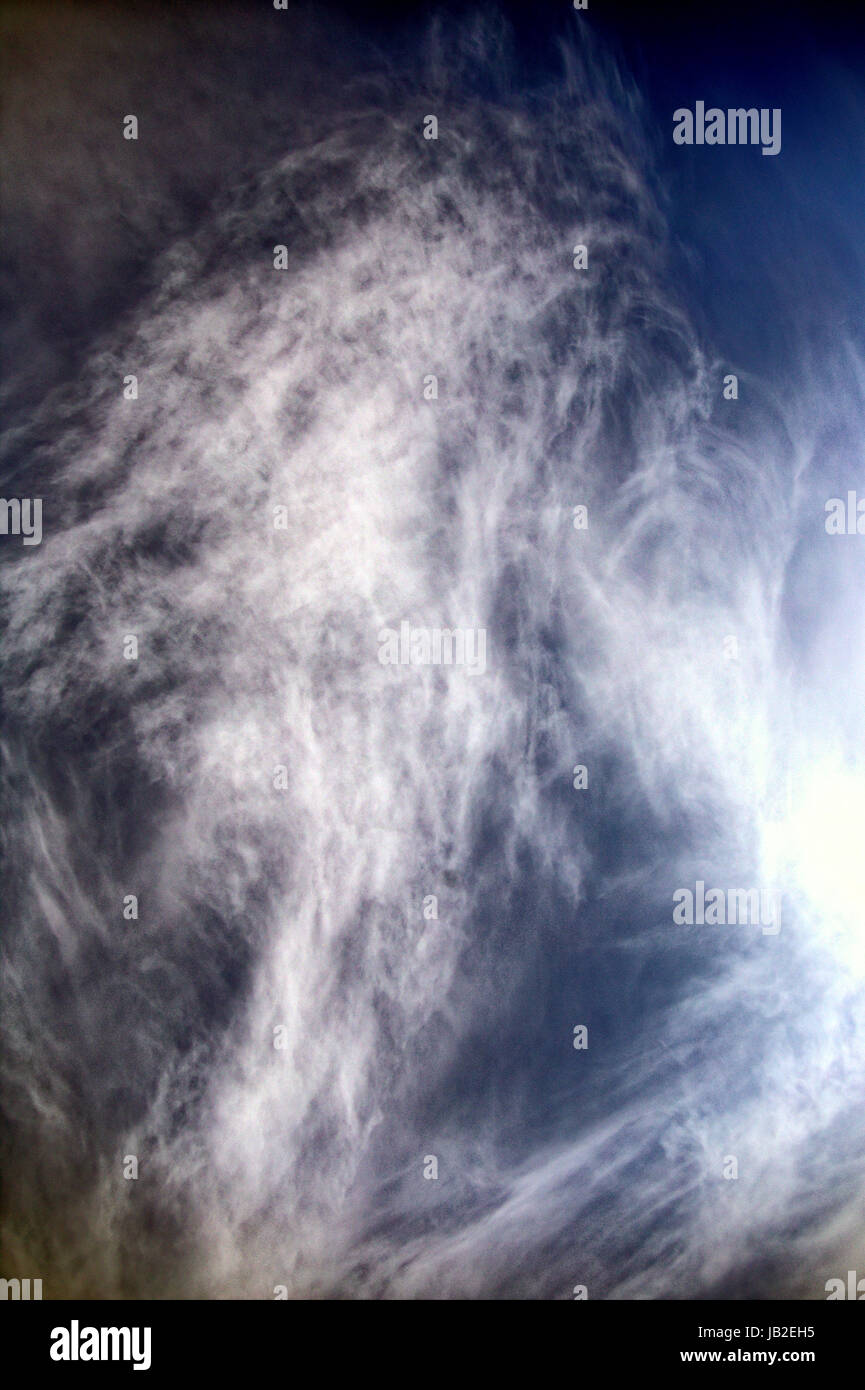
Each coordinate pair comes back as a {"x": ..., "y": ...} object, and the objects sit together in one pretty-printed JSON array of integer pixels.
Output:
[{"x": 818, "y": 849}]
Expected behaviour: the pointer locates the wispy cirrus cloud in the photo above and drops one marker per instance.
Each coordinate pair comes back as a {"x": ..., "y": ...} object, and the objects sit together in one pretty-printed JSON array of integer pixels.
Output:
[{"x": 289, "y": 1028}]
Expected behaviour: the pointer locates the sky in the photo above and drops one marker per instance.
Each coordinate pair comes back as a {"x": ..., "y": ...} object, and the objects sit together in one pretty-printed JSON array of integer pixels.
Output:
[{"x": 332, "y": 968}]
